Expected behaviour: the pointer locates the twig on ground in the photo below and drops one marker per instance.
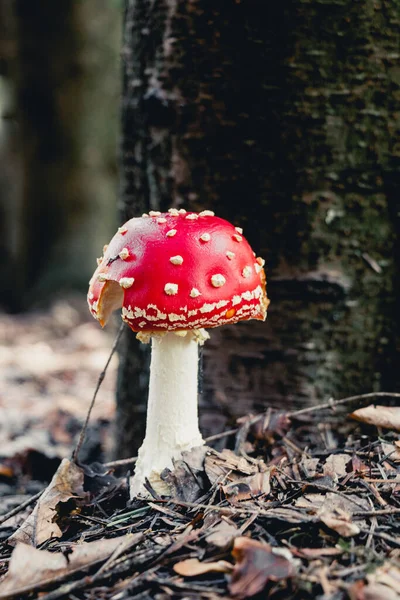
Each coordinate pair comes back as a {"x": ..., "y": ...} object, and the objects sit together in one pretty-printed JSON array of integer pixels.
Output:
[
  {"x": 207, "y": 592},
  {"x": 376, "y": 513},
  {"x": 128, "y": 542},
  {"x": 383, "y": 536},
  {"x": 223, "y": 434},
  {"x": 20, "y": 507},
  {"x": 374, "y": 525},
  {"x": 333, "y": 403},
  {"x": 75, "y": 453},
  {"x": 234, "y": 510},
  {"x": 295, "y": 413},
  {"x": 324, "y": 488},
  {"x": 121, "y": 462}
]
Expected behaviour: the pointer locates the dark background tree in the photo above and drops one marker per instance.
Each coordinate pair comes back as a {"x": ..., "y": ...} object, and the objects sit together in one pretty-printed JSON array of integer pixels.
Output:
[
  {"x": 59, "y": 67},
  {"x": 283, "y": 118},
  {"x": 10, "y": 155}
]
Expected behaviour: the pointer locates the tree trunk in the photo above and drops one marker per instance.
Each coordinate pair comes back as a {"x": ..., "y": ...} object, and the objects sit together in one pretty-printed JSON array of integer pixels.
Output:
[
  {"x": 68, "y": 88},
  {"x": 10, "y": 155},
  {"x": 283, "y": 118}
]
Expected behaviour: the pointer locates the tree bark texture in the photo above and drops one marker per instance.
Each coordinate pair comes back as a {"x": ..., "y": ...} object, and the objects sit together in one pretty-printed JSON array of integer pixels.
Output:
[
  {"x": 283, "y": 118},
  {"x": 10, "y": 153},
  {"x": 68, "y": 90}
]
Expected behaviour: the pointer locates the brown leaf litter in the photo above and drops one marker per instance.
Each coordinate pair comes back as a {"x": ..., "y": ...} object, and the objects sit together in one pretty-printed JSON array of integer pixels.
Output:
[
  {"x": 31, "y": 569},
  {"x": 296, "y": 520},
  {"x": 49, "y": 366},
  {"x": 42, "y": 524},
  {"x": 299, "y": 506},
  {"x": 257, "y": 563}
]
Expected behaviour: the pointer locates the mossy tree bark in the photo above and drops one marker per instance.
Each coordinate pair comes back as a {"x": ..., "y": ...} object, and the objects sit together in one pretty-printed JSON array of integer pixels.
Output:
[{"x": 283, "y": 118}]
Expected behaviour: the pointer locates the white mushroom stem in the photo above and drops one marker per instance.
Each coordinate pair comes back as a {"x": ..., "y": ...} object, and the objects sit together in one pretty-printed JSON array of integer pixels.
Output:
[{"x": 172, "y": 417}]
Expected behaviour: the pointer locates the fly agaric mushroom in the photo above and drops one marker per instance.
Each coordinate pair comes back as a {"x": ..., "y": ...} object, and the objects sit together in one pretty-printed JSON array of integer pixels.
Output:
[{"x": 174, "y": 275}]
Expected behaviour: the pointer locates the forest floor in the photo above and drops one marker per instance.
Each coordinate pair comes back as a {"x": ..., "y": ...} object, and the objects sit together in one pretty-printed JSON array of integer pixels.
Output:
[{"x": 298, "y": 505}]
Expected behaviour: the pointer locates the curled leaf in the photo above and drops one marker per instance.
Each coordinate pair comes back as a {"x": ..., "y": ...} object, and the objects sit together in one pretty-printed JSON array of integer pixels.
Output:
[
  {"x": 256, "y": 564},
  {"x": 387, "y": 417},
  {"x": 336, "y": 464},
  {"x": 245, "y": 488},
  {"x": 386, "y": 575},
  {"x": 44, "y": 522},
  {"x": 340, "y": 523},
  {"x": 222, "y": 534},
  {"x": 242, "y": 479}
]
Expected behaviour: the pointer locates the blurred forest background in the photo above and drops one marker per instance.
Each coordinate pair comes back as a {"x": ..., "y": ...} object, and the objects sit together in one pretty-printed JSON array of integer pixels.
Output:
[
  {"x": 59, "y": 97},
  {"x": 284, "y": 119}
]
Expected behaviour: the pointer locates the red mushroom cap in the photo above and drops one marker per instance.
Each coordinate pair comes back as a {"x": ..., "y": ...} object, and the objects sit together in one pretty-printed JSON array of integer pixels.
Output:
[{"x": 177, "y": 271}]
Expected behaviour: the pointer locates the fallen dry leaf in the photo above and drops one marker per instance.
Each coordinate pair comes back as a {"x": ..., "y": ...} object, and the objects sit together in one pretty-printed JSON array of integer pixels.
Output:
[
  {"x": 273, "y": 426},
  {"x": 392, "y": 451},
  {"x": 336, "y": 464},
  {"x": 359, "y": 590},
  {"x": 222, "y": 534},
  {"x": 187, "y": 480},
  {"x": 244, "y": 488},
  {"x": 358, "y": 466},
  {"x": 387, "y": 575},
  {"x": 242, "y": 479},
  {"x": 349, "y": 503},
  {"x": 192, "y": 567},
  {"x": 377, "y": 591},
  {"x": 313, "y": 502},
  {"x": 256, "y": 564},
  {"x": 335, "y": 511},
  {"x": 31, "y": 568},
  {"x": 330, "y": 502},
  {"x": 41, "y": 525},
  {"x": 309, "y": 466},
  {"x": 342, "y": 524},
  {"x": 219, "y": 464},
  {"x": 387, "y": 417}
]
